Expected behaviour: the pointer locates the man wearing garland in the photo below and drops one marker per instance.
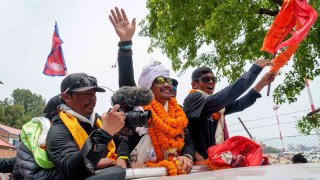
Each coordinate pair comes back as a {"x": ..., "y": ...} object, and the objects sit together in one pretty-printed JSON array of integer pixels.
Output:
[
  {"x": 166, "y": 142},
  {"x": 206, "y": 110}
]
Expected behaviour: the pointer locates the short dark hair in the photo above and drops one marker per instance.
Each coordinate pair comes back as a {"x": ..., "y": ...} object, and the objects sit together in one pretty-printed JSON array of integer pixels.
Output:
[
  {"x": 197, "y": 73},
  {"x": 299, "y": 158},
  {"x": 51, "y": 108}
]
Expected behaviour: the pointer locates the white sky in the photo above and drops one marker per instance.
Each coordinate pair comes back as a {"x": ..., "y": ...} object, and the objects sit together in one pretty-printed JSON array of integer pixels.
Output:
[{"x": 90, "y": 46}]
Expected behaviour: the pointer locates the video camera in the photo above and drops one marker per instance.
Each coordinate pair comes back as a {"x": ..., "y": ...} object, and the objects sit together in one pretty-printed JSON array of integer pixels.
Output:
[{"x": 131, "y": 100}]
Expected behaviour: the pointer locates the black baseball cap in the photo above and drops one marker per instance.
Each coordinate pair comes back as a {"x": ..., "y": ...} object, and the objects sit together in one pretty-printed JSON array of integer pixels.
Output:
[
  {"x": 197, "y": 73},
  {"x": 52, "y": 104},
  {"x": 80, "y": 82},
  {"x": 174, "y": 82}
]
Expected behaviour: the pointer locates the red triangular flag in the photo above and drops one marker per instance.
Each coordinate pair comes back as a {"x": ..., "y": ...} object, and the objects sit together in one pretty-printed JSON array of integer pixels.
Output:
[{"x": 55, "y": 65}]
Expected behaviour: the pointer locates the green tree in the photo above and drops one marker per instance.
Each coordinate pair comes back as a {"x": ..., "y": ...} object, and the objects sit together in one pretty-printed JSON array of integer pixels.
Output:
[
  {"x": 19, "y": 110},
  {"x": 233, "y": 31},
  {"x": 308, "y": 124},
  {"x": 33, "y": 103}
]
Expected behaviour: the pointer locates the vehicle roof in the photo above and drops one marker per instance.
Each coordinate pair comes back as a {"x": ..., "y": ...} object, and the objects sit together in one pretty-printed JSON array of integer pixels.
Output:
[{"x": 283, "y": 172}]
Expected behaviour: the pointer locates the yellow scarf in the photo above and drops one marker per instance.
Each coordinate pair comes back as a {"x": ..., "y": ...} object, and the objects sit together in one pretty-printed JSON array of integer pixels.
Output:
[{"x": 80, "y": 135}]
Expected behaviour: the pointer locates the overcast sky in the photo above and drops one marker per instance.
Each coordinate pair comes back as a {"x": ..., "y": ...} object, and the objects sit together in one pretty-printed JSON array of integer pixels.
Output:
[{"x": 90, "y": 46}]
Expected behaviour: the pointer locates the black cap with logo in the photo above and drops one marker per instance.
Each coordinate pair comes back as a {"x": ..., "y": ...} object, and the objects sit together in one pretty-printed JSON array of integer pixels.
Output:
[{"x": 80, "y": 82}]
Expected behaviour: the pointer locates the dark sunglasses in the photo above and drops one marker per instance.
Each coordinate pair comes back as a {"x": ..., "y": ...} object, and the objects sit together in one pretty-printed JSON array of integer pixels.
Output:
[
  {"x": 85, "y": 81},
  {"x": 163, "y": 80},
  {"x": 208, "y": 78}
]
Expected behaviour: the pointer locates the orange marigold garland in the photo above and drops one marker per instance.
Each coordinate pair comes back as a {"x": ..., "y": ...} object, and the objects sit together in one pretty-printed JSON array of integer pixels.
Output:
[
  {"x": 211, "y": 166},
  {"x": 166, "y": 128},
  {"x": 170, "y": 165}
]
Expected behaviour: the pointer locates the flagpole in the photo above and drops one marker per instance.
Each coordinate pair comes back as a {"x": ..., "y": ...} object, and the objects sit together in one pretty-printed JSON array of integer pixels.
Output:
[
  {"x": 269, "y": 85},
  {"x": 276, "y": 109},
  {"x": 245, "y": 128},
  {"x": 309, "y": 94}
]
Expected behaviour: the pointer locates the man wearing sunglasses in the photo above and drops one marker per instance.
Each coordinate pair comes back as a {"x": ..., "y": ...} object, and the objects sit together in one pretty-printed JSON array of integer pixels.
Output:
[
  {"x": 206, "y": 110},
  {"x": 79, "y": 140},
  {"x": 155, "y": 144}
]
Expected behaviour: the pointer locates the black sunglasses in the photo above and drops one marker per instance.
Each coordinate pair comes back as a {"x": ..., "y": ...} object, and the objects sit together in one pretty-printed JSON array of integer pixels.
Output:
[
  {"x": 163, "y": 80},
  {"x": 85, "y": 81},
  {"x": 208, "y": 78}
]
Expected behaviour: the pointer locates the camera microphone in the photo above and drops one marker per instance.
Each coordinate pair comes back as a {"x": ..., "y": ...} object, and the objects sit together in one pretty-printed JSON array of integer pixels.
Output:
[{"x": 132, "y": 96}]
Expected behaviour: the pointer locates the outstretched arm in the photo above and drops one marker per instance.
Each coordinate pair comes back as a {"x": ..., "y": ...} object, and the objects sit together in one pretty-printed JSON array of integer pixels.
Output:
[
  {"x": 229, "y": 94},
  {"x": 125, "y": 30},
  {"x": 251, "y": 97}
]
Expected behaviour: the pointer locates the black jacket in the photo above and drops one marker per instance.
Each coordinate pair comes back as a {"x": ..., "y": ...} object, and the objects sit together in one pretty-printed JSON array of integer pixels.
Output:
[
  {"x": 126, "y": 78},
  {"x": 199, "y": 107},
  {"x": 7, "y": 164},
  {"x": 27, "y": 168},
  {"x": 65, "y": 154}
]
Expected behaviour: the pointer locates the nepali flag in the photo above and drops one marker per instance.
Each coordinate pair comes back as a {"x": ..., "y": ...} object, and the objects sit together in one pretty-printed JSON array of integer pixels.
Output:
[{"x": 55, "y": 65}]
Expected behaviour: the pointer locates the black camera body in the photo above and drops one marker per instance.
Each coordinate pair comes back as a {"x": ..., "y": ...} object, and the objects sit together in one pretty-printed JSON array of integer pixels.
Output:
[
  {"x": 131, "y": 98},
  {"x": 136, "y": 118}
]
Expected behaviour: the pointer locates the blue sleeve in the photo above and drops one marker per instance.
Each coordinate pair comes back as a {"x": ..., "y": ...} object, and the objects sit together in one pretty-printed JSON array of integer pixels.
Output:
[
  {"x": 230, "y": 93},
  {"x": 243, "y": 102}
]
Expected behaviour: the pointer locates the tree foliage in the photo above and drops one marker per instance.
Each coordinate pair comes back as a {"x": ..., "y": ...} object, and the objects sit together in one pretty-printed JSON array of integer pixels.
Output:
[
  {"x": 233, "y": 31},
  {"x": 23, "y": 106},
  {"x": 309, "y": 123}
]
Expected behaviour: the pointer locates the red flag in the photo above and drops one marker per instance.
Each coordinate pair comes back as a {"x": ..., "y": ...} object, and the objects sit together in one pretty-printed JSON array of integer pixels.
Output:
[
  {"x": 305, "y": 15},
  {"x": 55, "y": 65},
  {"x": 292, "y": 13}
]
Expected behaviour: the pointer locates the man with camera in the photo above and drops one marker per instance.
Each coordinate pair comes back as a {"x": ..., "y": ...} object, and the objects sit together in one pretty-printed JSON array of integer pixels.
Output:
[
  {"x": 166, "y": 140},
  {"x": 80, "y": 141}
]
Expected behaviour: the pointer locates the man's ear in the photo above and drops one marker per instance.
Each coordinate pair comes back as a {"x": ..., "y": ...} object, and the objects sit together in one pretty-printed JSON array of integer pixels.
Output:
[
  {"x": 65, "y": 97},
  {"x": 194, "y": 85}
]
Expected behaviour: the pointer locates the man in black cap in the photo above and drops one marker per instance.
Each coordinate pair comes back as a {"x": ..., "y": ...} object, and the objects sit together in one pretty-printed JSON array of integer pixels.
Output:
[
  {"x": 79, "y": 141},
  {"x": 205, "y": 110},
  {"x": 174, "y": 88}
]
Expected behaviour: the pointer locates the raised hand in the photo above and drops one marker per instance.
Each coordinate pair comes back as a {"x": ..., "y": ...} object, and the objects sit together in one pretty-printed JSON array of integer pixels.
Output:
[
  {"x": 263, "y": 63},
  {"x": 265, "y": 80},
  {"x": 121, "y": 24}
]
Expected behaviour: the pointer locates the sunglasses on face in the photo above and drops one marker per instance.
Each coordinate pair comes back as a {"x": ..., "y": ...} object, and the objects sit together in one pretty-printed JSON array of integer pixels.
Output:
[
  {"x": 85, "y": 81},
  {"x": 208, "y": 78},
  {"x": 163, "y": 80}
]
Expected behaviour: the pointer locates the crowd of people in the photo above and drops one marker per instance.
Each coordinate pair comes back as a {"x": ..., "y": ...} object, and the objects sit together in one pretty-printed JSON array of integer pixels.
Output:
[{"x": 80, "y": 141}]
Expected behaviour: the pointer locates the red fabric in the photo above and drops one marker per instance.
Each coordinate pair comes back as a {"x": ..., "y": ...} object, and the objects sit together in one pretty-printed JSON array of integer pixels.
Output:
[
  {"x": 305, "y": 15},
  {"x": 296, "y": 13},
  {"x": 280, "y": 28},
  {"x": 55, "y": 65},
  {"x": 245, "y": 152}
]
